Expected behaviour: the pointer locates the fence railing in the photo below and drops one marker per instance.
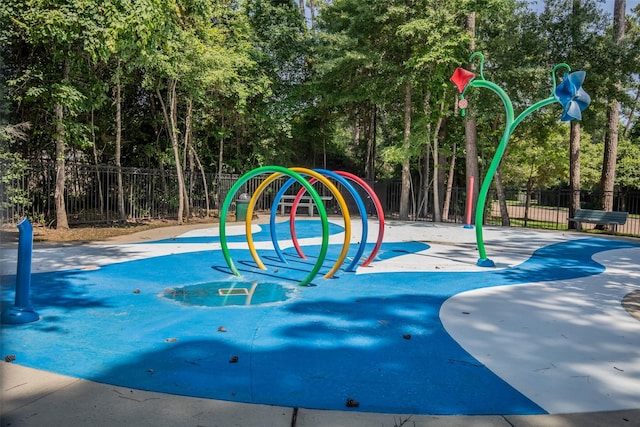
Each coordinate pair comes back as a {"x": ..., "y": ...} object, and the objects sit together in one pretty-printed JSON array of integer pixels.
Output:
[
  {"x": 549, "y": 209},
  {"x": 91, "y": 193},
  {"x": 92, "y": 197}
]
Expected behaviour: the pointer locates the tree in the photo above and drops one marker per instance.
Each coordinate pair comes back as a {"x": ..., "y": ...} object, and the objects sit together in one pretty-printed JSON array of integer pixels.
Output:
[
  {"x": 438, "y": 45},
  {"x": 471, "y": 131},
  {"x": 381, "y": 54},
  {"x": 632, "y": 59},
  {"x": 128, "y": 24},
  {"x": 489, "y": 29},
  {"x": 199, "y": 51},
  {"x": 57, "y": 41},
  {"x": 574, "y": 31},
  {"x": 613, "y": 117},
  {"x": 406, "y": 161},
  {"x": 574, "y": 139}
]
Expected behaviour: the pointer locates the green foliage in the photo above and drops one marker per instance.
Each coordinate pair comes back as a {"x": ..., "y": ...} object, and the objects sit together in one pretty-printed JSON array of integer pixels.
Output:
[
  {"x": 13, "y": 168},
  {"x": 537, "y": 162},
  {"x": 268, "y": 88},
  {"x": 367, "y": 53},
  {"x": 590, "y": 164},
  {"x": 628, "y": 167}
]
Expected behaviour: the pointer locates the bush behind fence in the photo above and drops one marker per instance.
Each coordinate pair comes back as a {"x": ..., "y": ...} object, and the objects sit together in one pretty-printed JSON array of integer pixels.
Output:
[{"x": 91, "y": 198}]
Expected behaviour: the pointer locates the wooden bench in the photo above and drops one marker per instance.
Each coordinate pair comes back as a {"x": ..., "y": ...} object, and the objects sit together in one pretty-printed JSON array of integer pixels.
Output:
[
  {"x": 305, "y": 201},
  {"x": 600, "y": 217}
]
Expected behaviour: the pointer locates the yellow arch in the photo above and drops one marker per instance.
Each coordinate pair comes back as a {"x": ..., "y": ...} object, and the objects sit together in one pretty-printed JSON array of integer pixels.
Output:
[
  {"x": 336, "y": 193},
  {"x": 250, "y": 208}
]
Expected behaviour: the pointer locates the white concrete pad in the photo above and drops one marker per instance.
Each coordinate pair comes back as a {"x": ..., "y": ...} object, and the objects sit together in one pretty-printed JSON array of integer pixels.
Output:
[
  {"x": 33, "y": 398},
  {"x": 567, "y": 345}
]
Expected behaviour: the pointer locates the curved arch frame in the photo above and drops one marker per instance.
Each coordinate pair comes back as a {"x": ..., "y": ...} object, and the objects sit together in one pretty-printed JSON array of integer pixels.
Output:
[
  {"x": 272, "y": 222},
  {"x": 272, "y": 219},
  {"x": 343, "y": 206},
  {"x": 334, "y": 190},
  {"x": 379, "y": 212},
  {"x": 312, "y": 192},
  {"x": 361, "y": 208},
  {"x": 366, "y": 187}
]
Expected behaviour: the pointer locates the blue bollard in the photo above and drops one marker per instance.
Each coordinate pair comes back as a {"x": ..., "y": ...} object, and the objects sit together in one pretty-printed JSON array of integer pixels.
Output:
[{"x": 21, "y": 312}]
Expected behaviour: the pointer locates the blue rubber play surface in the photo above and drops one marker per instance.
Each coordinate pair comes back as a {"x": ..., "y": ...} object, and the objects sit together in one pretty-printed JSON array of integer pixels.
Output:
[{"x": 182, "y": 324}]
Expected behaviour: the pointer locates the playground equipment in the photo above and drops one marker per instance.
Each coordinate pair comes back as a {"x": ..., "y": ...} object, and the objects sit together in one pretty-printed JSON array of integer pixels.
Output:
[
  {"x": 22, "y": 312},
  {"x": 568, "y": 93},
  {"x": 297, "y": 174}
]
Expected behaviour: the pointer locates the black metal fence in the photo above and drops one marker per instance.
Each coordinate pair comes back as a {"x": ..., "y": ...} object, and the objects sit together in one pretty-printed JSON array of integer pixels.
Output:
[
  {"x": 545, "y": 209},
  {"x": 92, "y": 197},
  {"x": 91, "y": 193}
]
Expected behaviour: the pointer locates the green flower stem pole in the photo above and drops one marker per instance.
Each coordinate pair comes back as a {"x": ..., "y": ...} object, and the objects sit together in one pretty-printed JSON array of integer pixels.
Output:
[
  {"x": 484, "y": 190},
  {"x": 510, "y": 126},
  {"x": 568, "y": 93}
]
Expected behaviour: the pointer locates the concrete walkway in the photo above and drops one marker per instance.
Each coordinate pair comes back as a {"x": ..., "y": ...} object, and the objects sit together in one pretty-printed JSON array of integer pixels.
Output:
[{"x": 32, "y": 397}]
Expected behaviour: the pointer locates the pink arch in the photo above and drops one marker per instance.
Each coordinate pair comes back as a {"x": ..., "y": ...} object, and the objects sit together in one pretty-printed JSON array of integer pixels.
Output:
[
  {"x": 379, "y": 212},
  {"x": 292, "y": 218}
]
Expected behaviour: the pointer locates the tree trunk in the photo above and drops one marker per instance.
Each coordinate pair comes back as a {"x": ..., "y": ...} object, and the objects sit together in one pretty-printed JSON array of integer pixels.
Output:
[
  {"x": 406, "y": 162},
  {"x": 447, "y": 196},
  {"x": 370, "y": 163},
  {"x": 574, "y": 172},
  {"x": 59, "y": 196},
  {"x": 426, "y": 180},
  {"x": 610, "y": 156},
  {"x": 170, "y": 120},
  {"x": 502, "y": 200},
  {"x": 438, "y": 169},
  {"x": 191, "y": 182},
  {"x": 312, "y": 10},
  {"x": 607, "y": 181},
  {"x": 220, "y": 164},
  {"x": 527, "y": 203},
  {"x": 95, "y": 163},
  {"x": 619, "y": 12},
  {"x": 203, "y": 175},
  {"x": 173, "y": 117},
  {"x": 471, "y": 131},
  {"x": 186, "y": 147},
  {"x": 118, "y": 96}
]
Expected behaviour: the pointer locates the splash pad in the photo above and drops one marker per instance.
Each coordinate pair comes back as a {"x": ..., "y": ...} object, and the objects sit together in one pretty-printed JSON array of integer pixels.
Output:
[{"x": 402, "y": 336}]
